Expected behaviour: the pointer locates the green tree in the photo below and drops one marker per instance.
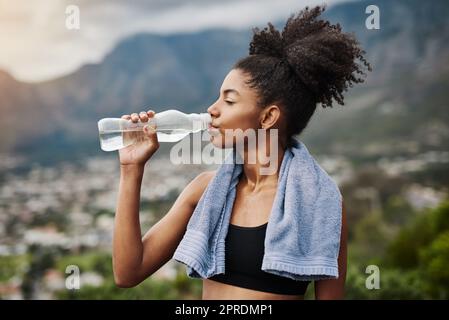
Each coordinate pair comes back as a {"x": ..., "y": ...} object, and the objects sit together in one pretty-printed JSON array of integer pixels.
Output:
[
  {"x": 423, "y": 248},
  {"x": 435, "y": 264}
]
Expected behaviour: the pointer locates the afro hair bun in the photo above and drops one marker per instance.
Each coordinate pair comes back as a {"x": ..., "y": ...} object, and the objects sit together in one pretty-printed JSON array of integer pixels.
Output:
[{"x": 325, "y": 59}]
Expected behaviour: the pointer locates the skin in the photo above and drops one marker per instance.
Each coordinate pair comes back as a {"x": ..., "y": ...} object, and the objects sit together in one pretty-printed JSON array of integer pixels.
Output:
[{"x": 136, "y": 258}]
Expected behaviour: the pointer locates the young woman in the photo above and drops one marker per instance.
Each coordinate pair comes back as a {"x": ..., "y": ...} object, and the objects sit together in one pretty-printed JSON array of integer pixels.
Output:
[{"x": 276, "y": 87}]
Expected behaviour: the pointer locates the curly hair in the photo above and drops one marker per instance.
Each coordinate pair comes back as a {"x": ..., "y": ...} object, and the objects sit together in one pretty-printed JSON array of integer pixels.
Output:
[{"x": 310, "y": 62}]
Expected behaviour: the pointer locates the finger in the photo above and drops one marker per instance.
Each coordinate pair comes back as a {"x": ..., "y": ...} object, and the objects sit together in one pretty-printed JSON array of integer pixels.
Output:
[
  {"x": 143, "y": 116},
  {"x": 150, "y": 131},
  {"x": 126, "y": 116},
  {"x": 134, "y": 117},
  {"x": 150, "y": 113}
]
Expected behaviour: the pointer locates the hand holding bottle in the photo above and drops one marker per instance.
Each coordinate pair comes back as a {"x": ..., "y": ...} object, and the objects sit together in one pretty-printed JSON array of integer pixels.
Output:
[
  {"x": 170, "y": 125},
  {"x": 145, "y": 142}
]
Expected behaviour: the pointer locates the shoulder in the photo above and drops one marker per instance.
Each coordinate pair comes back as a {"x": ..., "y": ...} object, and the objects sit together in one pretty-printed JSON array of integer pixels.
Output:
[
  {"x": 206, "y": 175},
  {"x": 202, "y": 180},
  {"x": 196, "y": 187}
]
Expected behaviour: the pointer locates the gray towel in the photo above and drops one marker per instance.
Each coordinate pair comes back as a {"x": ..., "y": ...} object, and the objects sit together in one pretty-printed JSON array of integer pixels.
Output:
[{"x": 303, "y": 234}]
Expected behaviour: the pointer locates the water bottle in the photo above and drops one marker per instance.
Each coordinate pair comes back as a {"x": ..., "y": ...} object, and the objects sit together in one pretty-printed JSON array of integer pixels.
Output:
[{"x": 171, "y": 126}]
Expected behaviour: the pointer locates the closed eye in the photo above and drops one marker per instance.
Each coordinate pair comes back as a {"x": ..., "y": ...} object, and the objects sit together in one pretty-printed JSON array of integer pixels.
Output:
[{"x": 229, "y": 102}]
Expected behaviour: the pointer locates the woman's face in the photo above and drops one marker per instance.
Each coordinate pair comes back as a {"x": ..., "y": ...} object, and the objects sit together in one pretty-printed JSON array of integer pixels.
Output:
[{"x": 236, "y": 108}]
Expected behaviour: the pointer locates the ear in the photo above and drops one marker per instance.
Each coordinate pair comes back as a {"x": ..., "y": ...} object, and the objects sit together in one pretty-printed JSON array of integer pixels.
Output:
[{"x": 270, "y": 115}]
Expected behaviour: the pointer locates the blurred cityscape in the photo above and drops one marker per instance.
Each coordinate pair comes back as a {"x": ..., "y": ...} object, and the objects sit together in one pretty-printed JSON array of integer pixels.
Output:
[
  {"x": 66, "y": 214},
  {"x": 72, "y": 208}
]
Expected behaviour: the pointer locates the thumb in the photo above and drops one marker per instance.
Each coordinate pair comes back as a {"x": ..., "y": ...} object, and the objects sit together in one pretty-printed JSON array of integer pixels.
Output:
[{"x": 150, "y": 131}]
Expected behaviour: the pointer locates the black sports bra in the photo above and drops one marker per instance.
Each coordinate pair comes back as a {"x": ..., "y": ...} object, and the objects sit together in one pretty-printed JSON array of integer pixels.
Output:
[{"x": 243, "y": 262}]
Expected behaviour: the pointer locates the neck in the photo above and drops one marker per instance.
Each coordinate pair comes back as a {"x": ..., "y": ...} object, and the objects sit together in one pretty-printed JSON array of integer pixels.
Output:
[{"x": 261, "y": 164}]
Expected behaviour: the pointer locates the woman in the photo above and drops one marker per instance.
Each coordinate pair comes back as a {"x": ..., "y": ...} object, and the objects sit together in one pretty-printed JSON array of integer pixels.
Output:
[{"x": 275, "y": 88}]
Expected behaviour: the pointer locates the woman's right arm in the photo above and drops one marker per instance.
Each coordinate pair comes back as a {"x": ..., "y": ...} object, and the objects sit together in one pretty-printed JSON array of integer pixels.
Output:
[
  {"x": 135, "y": 258},
  {"x": 127, "y": 244}
]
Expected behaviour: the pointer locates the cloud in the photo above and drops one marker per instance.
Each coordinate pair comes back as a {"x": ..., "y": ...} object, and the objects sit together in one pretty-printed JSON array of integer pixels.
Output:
[{"x": 36, "y": 45}]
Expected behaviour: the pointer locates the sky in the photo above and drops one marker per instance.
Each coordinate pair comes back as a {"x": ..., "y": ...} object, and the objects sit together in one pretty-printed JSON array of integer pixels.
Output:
[{"x": 36, "y": 45}]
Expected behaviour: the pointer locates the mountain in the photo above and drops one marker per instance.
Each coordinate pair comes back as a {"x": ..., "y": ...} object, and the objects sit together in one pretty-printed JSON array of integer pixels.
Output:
[
  {"x": 399, "y": 109},
  {"x": 25, "y": 110},
  {"x": 142, "y": 72}
]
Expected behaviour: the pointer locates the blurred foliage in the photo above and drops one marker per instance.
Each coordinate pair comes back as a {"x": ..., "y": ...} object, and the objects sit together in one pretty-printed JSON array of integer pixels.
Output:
[
  {"x": 11, "y": 266},
  {"x": 91, "y": 261},
  {"x": 404, "y": 250},
  {"x": 434, "y": 261},
  {"x": 372, "y": 193},
  {"x": 371, "y": 235},
  {"x": 394, "y": 284},
  {"x": 181, "y": 287},
  {"x": 412, "y": 261},
  {"x": 397, "y": 211},
  {"x": 41, "y": 259},
  {"x": 423, "y": 247}
]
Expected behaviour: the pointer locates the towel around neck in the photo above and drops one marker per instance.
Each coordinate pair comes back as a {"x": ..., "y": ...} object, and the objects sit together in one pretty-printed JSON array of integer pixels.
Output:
[{"x": 303, "y": 233}]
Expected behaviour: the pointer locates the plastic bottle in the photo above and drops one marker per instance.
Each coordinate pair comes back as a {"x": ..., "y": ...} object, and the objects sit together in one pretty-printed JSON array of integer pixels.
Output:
[{"x": 171, "y": 126}]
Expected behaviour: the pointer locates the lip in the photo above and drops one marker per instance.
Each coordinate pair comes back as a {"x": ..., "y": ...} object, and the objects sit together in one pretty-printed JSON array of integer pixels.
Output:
[{"x": 213, "y": 130}]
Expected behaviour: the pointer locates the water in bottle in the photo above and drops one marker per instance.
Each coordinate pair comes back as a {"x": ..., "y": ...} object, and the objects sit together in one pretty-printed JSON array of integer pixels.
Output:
[{"x": 171, "y": 126}]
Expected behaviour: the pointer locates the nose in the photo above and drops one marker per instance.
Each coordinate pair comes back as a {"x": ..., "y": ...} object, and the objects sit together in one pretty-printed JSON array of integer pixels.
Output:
[{"x": 212, "y": 110}]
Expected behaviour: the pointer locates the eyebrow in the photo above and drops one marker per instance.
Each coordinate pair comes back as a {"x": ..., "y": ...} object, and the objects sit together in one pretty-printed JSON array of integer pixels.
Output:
[{"x": 231, "y": 91}]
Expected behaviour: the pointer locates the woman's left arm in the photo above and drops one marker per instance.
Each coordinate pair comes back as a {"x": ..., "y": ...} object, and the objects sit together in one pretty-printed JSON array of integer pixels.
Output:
[{"x": 335, "y": 288}]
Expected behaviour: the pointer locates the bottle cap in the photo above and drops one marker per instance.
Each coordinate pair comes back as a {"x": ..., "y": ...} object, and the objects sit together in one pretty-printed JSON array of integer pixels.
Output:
[
  {"x": 202, "y": 119},
  {"x": 206, "y": 117}
]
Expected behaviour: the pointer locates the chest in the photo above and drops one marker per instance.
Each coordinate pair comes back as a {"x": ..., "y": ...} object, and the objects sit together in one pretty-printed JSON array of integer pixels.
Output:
[{"x": 252, "y": 209}]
